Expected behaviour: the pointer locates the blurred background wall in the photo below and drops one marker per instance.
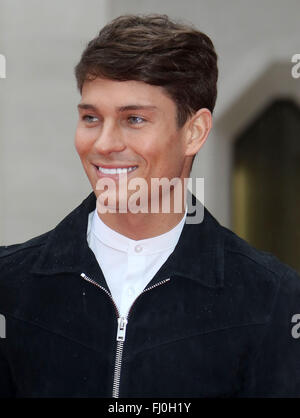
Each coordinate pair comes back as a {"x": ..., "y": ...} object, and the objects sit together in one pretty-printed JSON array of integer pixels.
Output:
[{"x": 41, "y": 178}]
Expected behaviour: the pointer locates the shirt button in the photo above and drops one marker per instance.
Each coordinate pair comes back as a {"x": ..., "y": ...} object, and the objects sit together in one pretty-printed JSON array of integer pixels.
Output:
[{"x": 138, "y": 248}]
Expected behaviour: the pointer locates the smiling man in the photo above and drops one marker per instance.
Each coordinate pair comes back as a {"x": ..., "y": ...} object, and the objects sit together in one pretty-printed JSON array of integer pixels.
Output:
[
  {"x": 130, "y": 128},
  {"x": 120, "y": 300}
]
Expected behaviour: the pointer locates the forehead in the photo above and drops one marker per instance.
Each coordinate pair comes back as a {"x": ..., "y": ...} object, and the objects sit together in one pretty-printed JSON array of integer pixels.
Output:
[{"x": 113, "y": 93}]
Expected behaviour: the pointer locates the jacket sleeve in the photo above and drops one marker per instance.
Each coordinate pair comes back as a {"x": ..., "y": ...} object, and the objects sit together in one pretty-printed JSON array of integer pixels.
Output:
[
  {"x": 276, "y": 367},
  {"x": 6, "y": 384}
]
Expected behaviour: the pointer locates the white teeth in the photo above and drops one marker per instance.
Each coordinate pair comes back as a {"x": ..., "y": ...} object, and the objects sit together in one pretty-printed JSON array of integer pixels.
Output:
[{"x": 116, "y": 170}]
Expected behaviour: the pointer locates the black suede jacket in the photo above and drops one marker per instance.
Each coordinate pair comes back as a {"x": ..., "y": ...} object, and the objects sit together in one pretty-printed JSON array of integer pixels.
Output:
[{"x": 215, "y": 321}]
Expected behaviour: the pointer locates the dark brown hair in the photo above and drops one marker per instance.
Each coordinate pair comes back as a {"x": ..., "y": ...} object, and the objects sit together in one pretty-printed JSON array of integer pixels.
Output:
[{"x": 158, "y": 51}]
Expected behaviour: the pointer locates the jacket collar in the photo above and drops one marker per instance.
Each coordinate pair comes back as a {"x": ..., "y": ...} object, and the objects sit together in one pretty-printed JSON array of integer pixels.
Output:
[{"x": 199, "y": 254}]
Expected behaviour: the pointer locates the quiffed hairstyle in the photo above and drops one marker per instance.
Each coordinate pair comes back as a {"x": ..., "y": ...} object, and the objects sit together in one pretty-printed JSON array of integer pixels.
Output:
[{"x": 158, "y": 51}]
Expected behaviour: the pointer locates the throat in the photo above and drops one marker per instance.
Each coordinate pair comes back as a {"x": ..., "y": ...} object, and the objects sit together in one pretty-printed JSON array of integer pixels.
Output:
[{"x": 138, "y": 226}]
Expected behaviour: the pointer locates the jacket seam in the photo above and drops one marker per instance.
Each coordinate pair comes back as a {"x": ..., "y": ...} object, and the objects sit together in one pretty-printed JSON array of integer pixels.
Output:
[
  {"x": 256, "y": 262},
  {"x": 128, "y": 358},
  {"x": 51, "y": 332},
  {"x": 21, "y": 249},
  {"x": 141, "y": 351}
]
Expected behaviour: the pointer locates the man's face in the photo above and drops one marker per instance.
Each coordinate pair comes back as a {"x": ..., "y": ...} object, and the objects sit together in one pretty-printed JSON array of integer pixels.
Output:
[{"x": 128, "y": 124}]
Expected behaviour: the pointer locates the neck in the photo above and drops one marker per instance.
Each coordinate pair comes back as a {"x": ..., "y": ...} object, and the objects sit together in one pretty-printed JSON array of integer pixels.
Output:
[{"x": 139, "y": 226}]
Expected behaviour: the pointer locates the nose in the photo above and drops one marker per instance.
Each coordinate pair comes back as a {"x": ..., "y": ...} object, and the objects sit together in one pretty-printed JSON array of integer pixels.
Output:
[{"x": 109, "y": 140}]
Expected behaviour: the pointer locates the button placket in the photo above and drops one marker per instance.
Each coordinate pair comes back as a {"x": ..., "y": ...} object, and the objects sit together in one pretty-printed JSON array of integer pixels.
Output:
[{"x": 131, "y": 291}]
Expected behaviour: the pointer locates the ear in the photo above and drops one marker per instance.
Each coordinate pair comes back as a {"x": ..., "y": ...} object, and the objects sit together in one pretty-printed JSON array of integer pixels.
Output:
[{"x": 198, "y": 128}]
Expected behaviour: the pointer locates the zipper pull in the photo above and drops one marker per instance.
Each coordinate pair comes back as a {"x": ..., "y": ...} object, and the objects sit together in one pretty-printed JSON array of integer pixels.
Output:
[{"x": 122, "y": 322}]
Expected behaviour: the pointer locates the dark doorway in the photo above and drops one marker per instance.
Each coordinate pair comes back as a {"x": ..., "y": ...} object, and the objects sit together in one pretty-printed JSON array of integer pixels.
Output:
[{"x": 266, "y": 182}]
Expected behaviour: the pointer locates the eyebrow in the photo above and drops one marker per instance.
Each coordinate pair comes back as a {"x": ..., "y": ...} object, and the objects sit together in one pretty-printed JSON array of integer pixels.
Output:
[{"x": 87, "y": 106}]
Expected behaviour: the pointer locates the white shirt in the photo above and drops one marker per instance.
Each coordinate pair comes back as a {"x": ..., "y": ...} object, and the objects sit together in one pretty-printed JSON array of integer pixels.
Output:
[{"x": 128, "y": 265}]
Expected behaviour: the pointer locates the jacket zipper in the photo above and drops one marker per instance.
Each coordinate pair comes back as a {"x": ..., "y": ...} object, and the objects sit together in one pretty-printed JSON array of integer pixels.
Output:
[{"x": 121, "y": 331}]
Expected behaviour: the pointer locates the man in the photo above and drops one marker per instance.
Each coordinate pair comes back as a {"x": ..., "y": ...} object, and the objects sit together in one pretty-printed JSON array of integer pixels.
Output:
[{"x": 123, "y": 301}]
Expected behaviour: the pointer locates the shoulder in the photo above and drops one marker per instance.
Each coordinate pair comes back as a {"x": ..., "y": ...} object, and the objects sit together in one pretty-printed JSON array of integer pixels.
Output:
[
  {"x": 21, "y": 255},
  {"x": 236, "y": 247},
  {"x": 29, "y": 245},
  {"x": 259, "y": 270}
]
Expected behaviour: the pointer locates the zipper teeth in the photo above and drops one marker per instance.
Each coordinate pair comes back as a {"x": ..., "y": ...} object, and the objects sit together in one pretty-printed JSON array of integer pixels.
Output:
[
  {"x": 85, "y": 277},
  {"x": 144, "y": 291},
  {"x": 117, "y": 371},
  {"x": 156, "y": 284},
  {"x": 120, "y": 344}
]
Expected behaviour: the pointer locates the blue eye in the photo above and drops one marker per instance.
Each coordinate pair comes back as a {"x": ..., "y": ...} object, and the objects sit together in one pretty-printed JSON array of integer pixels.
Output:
[
  {"x": 136, "y": 120},
  {"x": 89, "y": 118}
]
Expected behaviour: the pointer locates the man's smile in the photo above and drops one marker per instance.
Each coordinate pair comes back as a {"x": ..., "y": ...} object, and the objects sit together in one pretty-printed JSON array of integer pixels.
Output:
[
  {"x": 116, "y": 170},
  {"x": 113, "y": 171}
]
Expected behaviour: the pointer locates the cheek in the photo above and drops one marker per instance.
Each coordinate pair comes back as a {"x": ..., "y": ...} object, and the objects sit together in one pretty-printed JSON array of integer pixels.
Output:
[
  {"x": 153, "y": 146},
  {"x": 82, "y": 144}
]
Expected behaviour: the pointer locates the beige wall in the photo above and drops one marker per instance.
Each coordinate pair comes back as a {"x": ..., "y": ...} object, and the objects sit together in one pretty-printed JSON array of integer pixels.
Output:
[{"x": 41, "y": 178}]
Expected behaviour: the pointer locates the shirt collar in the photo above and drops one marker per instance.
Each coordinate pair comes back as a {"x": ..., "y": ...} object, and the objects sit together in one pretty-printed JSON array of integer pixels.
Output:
[
  {"x": 198, "y": 255},
  {"x": 114, "y": 239}
]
